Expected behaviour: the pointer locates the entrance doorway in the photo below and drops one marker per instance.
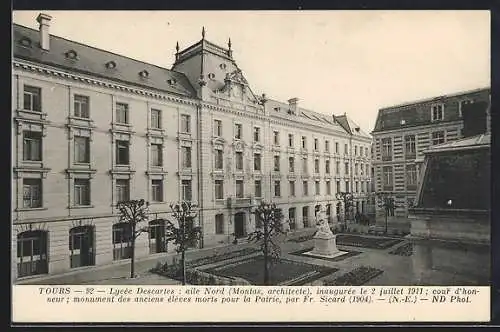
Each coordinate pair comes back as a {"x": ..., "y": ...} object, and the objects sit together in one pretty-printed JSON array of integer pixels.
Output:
[
  {"x": 239, "y": 225},
  {"x": 81, "y": 246},
  {"x": 157, "y": 236},
  {"x": 32, "y": 253}
]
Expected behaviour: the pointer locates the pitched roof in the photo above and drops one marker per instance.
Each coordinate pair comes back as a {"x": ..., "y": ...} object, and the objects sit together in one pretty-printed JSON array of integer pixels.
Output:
[
  {"x": 474, "y": 142},
  {"x": 92, "y": 61},
  {"x": 350, "y": 126}
]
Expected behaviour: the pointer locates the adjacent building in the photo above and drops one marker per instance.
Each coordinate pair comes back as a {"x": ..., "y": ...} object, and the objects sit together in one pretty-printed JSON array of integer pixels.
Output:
[
  {"x": 403, "y": 132},
  {"x": 92, "y": 128}
]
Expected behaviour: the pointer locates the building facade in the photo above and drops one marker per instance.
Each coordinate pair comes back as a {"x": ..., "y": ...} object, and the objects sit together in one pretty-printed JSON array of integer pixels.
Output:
[
  {"x": 401, "y": 135},
  {"x": 92, "y": 128}
]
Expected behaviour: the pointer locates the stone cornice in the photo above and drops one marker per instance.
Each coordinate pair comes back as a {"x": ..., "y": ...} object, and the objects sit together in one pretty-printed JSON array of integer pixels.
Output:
[{"x": 48, "y": 70}]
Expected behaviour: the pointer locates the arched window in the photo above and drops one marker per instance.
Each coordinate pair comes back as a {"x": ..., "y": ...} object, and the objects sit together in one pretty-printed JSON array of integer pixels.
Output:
[
  {"x": 81, "y": 246},
  {"x": 122, "y": 241},
  {"x": 32, "y": 253}
]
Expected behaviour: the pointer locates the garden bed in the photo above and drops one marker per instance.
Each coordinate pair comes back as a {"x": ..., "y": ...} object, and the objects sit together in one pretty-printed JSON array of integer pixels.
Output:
[
  {"x": 357, "y": 277},
  {"x": 357, "y": 241},
  {"x": 283, "y": 272},
  {"x": 221, "y": 257},
  {"x": 404, "y": 250}
]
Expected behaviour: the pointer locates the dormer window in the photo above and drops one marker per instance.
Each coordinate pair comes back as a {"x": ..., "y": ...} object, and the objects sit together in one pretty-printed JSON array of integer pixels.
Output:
[
  {"x": 437, "y": 112},
  {"x": 211, "y": 76},
  {"x": 71, "y": 54},
  {"x": 111, "y": 65},
  {"x": 277, "y": 109},
  {"x": 25, "y": 41},
  {"x": 402, "y": 122},
  {"x": 144, "y": 74},
  {"x": 223, "y": 66},
  {"x": 172, "y": 81}
]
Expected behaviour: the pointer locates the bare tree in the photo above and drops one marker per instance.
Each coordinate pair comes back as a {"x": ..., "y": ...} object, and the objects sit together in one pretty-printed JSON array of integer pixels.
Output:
[
  {"x": 183, "y": 232},
  {"x": 134, "y": 212},
  {"x": 269, "y": 219}
]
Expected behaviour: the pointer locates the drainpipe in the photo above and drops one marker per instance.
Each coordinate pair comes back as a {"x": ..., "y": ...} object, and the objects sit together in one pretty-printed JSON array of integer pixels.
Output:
[{"x": 200, "y": 172}]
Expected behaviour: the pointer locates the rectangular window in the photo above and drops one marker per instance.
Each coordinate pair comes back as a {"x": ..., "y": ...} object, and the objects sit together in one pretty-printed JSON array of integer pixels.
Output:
[
  {"x": 304, "y": 142},
  {"x": 316, "y": 147},
  {"x": 217, "y": 128},
  {"x": 327, "y": 146},
  {"x": 304, "y": 165},
  {"x": 82, "y": 192},
  {"x": 276, "y": 139},
  {"x": 82, "y": 149},
  {"x": 305, "y": 188},
  {"x": 32, "y": 98},
  {"x": 355, "y": 150},
  {"x": 316, "y": 165},
  {"x": 356, "y": 185},
  {"x": 186, "y": 157},
  {"x": 411, "y": 176},
  {"x": 219, "y": 189},
  {"x": 155, "y": 119},
  {"x": 347, "y": 187},
  {"x": 292, "y": 188},
  {"x": 438, "y": 137},
  {"x": 156, "y": 155},
  {"x": 239, "y": 189},
  {"x": 317, "y": 186},
  {"x": 437, "y": 112},
  {"x": 185, "y": 123},
  {"x": 346, "y": 150},
  {"x": 32, "y": 193},
  {"x": 346, "y": 168},
  {"x": 338, "y": 186},
  {"x": 461, "y": 105},
  {"x": 356, "y": 169},
  {"x": 219, "y": 223},
  {"x": 122, "y": 152},
  {"x": 258, "y": 188},
  {"x": 239, "y": 160},
  {"x": 276, "y": 163},
  {"x": 387, "y": 149},
  {"x": 337, "y": 167},
  {"x": 157, "y": 190},
  {"x": 328, "y": 188},
  {"x": 122, "y": 113},
  {"x": 219, "y": 159},
  {"x": 187, "y": 193},
  {"x": 81, "y": 106},
  {"x": 32, "y": 146},
  {"x": 122, "y": 190},
  {"x": 291, "y": 164},
  {"x": 366, "y": 152},
  {"x": 410, "y": 147},
  {"x": 387, "y": 177},
  {"x": 336, "y": 147},
  {"x": 290, "y": 140},
  {"x": 238, "y": 131},
  {"x": 327, "y": 166},
  {"x": 256, "y": 162},
  {"x": 256, "y": 134},
  {"x": 277, "y": 188}
]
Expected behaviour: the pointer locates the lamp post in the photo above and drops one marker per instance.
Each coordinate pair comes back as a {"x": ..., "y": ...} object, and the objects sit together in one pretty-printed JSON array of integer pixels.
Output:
[{"x": 346, "y": 198}]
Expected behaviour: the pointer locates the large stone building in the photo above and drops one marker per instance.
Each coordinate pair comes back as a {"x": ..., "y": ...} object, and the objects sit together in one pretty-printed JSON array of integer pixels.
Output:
[
  {"x": 403, "y": 132},
  {"x": 92, "y": 128}
]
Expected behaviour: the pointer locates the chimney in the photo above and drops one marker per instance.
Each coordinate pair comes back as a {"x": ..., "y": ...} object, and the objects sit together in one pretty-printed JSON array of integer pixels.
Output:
[
  {"x": 44, "y": 21},
  {"x": 293, "y": 104}
]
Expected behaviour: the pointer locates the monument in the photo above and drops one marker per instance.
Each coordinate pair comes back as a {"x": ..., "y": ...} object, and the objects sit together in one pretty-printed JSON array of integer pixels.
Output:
[{"x": 325, "y": 242}]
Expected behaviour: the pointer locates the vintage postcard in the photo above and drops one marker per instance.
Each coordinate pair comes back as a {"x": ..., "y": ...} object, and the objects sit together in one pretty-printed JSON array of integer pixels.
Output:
[{"x": 237, "y": 166}]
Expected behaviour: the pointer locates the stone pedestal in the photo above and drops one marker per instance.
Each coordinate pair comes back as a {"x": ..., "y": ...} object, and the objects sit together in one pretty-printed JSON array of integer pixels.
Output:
[{"x": 325, "y": 245}]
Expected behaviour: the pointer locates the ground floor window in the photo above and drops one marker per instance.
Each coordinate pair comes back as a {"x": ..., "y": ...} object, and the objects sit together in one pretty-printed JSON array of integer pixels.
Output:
[
  {"x": 32, "y": 253},
  {"x": 291, "y": 218},
  {"x": 122, "y": 236},
  {"x": 81, "y": 246},
  {"x": 305, "y": 216},
  {"x": 157, "y": 241},
  {"x": 219, "y": 224}
]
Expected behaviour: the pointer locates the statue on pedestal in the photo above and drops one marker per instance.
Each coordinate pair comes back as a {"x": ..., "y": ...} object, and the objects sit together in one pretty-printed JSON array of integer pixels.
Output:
[
  {"x": 324, "y": 240},
  {"x": 323, "y": 228}
]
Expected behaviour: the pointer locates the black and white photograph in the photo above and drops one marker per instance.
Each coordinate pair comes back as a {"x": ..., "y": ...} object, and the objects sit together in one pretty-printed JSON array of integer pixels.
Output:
[{"x": 251, "y": 148}]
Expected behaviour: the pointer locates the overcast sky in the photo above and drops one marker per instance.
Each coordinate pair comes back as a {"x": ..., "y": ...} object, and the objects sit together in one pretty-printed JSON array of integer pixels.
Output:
[{"x": 333, "y": 61}]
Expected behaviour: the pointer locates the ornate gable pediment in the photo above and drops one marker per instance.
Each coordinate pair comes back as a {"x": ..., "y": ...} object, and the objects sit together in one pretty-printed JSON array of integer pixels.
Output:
[
  {"x": 237, "y": 77},
  {"x": 236, "y": 87}
]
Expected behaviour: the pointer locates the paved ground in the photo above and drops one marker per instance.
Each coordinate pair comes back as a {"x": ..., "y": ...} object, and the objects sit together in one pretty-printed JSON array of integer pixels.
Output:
[{"x": 397, "y": 270}]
